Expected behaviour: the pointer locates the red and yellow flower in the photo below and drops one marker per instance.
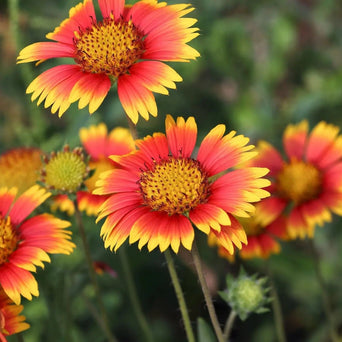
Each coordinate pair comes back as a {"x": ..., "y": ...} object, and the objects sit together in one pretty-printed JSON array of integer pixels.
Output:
[
  {"x": 307, "y": 184},
  {"x": 128, "y": 46},
  {"x": 25, "y": 242},
  {"x": 262, "y": 240},
  {"x": 20, "y": 167},
  {"x": 11, "y": 322},
  {"x": 99, "y": 145},
  {"x": 157, "y": 192}
]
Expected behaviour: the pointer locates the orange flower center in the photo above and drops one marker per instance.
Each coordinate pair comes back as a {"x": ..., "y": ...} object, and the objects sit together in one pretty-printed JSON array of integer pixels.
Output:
[
  {"x": 174, "y": 186},
  {"x": 8, "y": 239},
  {"x": 109, "y": 47},
  {"x": 299, "y": 182}
]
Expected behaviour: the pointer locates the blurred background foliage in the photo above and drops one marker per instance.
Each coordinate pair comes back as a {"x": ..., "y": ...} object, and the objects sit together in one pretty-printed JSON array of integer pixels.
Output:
[{"x": 264, "y": 64}]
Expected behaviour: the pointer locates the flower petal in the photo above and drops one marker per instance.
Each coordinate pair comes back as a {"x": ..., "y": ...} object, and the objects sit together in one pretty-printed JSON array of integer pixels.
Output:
[
  {"x": 218, "y": 153},
  {"x": 114, "y": 7},
  {"x": 80, "y": 18},
  {"x": 45, "y": 50},
  {"x": 136, "y": 98},
  {"x": 7, "y": 197},
  {"x": 17, "y": 282},
  {"x": 90, "y": 89},
  {"x": 207, "y": 216},
  {"x": 294, "y": 140},
  {"x": 320, "y": 141},
  {"x": 181, "y": 136},
  {"x": 155, "y": 76},
  {"x": 26, "y": 203}
]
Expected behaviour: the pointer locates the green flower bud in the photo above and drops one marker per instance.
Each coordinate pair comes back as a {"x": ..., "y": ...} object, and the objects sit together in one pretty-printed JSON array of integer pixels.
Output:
[{"x": 246, "y": 294}]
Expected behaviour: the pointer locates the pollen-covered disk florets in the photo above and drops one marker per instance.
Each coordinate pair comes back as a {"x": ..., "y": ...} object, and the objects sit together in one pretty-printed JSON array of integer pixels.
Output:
[{"x": 66, "y": 170}]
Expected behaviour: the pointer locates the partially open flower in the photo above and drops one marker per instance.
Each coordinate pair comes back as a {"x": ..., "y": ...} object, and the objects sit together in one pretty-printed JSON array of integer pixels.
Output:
[{"x": 246, "y": 294}]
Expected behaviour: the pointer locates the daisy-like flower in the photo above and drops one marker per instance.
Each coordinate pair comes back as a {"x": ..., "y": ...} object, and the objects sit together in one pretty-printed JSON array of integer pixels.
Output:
[
  {"x": 307, "y": 183},
  {"x": 262, "y": 240},
  {"x": 11, "y": 322},
  {"x": 157, "y": 192},
  {"x": 99, "y": 145},
  {"x": 19, "y": 167},
  {"x": 25, "y": 242},
  {"x": 128, "y": 46}
]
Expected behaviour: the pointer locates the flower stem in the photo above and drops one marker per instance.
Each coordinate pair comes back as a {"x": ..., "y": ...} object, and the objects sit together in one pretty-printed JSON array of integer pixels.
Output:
[
  {"x": 276, "y": 308},
  {"x": 180, "y": 296},
  {"x": 132, "y": 292},
  {"x": 105, "y": 322},
  {"x": 206, "y": 293},
  {"x": 229, "y": 325},
  {"x": 325, "y": 297}
]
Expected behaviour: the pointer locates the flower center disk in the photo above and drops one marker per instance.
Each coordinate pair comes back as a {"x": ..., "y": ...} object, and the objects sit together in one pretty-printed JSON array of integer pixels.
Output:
[
  {"x": 174, "y": 186},
  {"x": 299, "y": 182},
  {"x": 8, "y": 239},
  {"x": 109, "y": 47}
]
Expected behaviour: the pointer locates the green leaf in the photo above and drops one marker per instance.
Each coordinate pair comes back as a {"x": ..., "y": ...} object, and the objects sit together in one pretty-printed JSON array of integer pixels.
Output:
[{"x": 204, "y": 331}]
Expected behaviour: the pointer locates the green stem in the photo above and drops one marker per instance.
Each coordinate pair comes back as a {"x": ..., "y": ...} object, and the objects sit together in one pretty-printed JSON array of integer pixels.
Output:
[
  {"x": 180, "y": 296},
  {"x": 206, "y": 293},
  {"x": 105, "y": 322},
  {"x": 20, "y": 337},
  {"x": 276, "y": 308},
  {"x": 325, "y": 297},
  {"x": 229, "y": 325},
  {"x": 132, "y": 292}
]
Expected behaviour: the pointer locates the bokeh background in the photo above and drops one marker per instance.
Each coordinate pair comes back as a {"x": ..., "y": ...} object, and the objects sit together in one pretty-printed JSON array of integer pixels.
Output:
[{"x": 264, "y": 64}]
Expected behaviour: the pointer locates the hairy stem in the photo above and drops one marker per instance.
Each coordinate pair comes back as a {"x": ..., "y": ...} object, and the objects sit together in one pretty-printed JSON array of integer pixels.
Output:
[
  {"x": 229, "y": 325},
  {"x": 180, "y": 296},
  {"x": 206, "y": 293}
]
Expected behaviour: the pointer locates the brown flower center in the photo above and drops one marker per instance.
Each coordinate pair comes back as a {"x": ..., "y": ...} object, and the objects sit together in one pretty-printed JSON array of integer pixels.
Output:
[
  {"x": 299, "y": 182},
  {"x": 109, "y": 47},
  {"x": 8, "y": 239},
  {"x": 174, "y": 186}
]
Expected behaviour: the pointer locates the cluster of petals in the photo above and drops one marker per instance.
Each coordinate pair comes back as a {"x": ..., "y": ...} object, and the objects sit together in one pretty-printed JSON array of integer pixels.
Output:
[
  {"x": 262, "y": 239},
  {"x": 162, "y": 30},
  {"x": 26, "y": 241},
  {"x": 11, "y": 322},
  {"x": 155, "y": 195},
  {"x": 99, "y": 144},
  {"x": 307, "y": 182}
]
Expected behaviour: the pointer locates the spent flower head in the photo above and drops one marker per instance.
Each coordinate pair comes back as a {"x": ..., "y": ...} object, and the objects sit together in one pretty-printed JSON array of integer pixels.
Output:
[
  {"x": 65, "y": 171},
  {"x": 246, "y": 294}
]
